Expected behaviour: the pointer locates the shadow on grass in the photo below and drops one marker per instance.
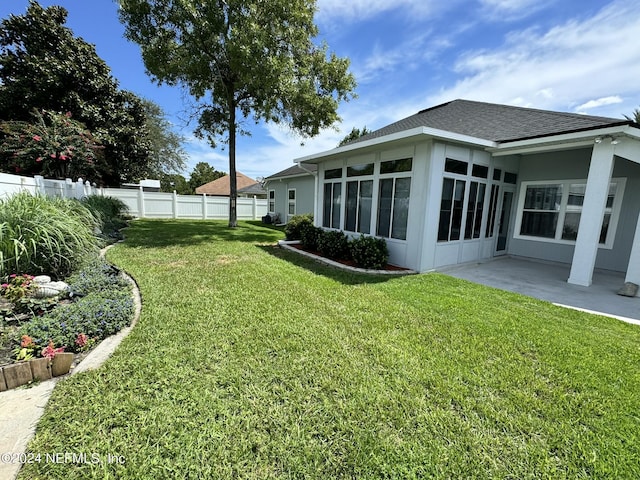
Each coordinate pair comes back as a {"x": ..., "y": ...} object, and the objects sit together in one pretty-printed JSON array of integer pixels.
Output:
[
  {"x": 148, "y": 233},
  {"x": 343, "y": 276}
]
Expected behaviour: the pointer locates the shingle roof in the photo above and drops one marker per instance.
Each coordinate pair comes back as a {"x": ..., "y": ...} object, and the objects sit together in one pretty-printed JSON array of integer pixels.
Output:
[
  {"x": 255, "y": 189},
  {"x": 293, "y": 171},
  {"x": 221, "y": 186},
  {"x": 494, "y": 122}
]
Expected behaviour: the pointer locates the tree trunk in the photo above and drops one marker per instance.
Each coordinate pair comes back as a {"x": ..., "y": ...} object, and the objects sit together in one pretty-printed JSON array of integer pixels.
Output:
[{"x": 233, "y": 184}]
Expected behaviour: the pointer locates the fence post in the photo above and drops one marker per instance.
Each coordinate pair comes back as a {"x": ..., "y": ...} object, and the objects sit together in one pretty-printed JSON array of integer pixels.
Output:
[
  {"x": 255, "y": 208},
  {"x": 174, "y": 205},
  {"x": 39, "y": 184},
  {"x": 79, "y": 190},
  {"x": 68, "y": 190},
  {"x": 141, "y": 213},
  {"x": 204, "y": 206},
  {"x": 87, "y": 188}
]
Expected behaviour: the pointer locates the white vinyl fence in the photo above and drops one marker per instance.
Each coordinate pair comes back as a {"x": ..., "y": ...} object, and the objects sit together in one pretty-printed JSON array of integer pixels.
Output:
[{"x": 141, "y": 204}]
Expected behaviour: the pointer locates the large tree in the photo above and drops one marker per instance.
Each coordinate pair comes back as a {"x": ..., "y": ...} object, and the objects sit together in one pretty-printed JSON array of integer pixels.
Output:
[
  {"x": 166, "y": 145},
  {"x": 354, "y": 135},
  {"x": 203, "y": 173},
  {"x": 43, "y": 66},
  {"x": 241, "y": 59}
]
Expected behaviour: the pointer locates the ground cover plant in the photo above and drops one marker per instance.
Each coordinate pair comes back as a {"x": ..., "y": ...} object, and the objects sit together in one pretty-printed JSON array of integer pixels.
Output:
[{"x": 253, "y": 362}]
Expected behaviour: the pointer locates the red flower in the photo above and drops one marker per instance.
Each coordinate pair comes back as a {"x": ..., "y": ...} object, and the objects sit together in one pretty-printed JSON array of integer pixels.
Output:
[
  {"x": 37, "y": 138},
  {"x": 27, "y": 342},
  {"x": 50, "y": 351},
  {"x": 82, "y": 340},
  {"x": 39, "y": 159}
]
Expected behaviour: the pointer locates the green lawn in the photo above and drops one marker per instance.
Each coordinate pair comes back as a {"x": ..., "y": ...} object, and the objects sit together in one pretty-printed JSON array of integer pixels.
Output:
[{"x": 252, "y": 362}]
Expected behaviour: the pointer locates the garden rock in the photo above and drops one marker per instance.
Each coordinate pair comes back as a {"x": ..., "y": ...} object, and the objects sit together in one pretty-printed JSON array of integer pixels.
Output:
[
  {"x": 628, "y": 290},
  {"x": 45, "y": 288}
]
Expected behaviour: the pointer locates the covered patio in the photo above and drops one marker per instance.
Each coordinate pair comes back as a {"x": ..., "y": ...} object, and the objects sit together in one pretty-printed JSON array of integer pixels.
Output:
[{"x": 548, "y": 281}]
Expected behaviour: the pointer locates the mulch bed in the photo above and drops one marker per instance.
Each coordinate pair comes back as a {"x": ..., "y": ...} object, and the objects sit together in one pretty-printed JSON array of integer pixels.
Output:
[{"x": 350, "y": 263}]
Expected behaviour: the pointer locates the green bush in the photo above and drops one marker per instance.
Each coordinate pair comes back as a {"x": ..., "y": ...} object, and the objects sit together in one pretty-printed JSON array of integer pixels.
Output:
[
  {"x": 110, "y": 213},
  {"x": 294, "y": 227},
  {"x": 369, "y": 252},
  {"x": 334, "y": 244},
  {"x": 309, "y": 236},
  {"x": 43, "y": 235}
]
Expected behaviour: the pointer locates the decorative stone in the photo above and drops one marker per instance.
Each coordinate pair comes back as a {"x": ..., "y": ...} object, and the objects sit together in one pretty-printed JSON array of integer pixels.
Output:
[
  {"x": 628, "y": 290},
  {"x": 40, "y": 368},
  {"x": 61, "y": 364},
  {"x": 3, "y": 384},
  {"x": 17, "y": 374},
  {"x": 45, "y": 288}
]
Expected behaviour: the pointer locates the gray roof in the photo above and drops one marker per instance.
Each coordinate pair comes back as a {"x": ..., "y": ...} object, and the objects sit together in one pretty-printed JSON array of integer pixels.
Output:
[
  {"x": 293, "y": 171},
  {"x": 255, "y": 189},
  {"x": 494, "y": 122}
]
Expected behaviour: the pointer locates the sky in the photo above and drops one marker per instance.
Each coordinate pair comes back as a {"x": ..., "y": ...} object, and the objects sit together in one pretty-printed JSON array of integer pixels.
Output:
[{"x": 580, "y": 56}]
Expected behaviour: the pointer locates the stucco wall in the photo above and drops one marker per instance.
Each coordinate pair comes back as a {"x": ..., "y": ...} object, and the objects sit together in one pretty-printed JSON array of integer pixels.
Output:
[{"x": 304, "y": 187}]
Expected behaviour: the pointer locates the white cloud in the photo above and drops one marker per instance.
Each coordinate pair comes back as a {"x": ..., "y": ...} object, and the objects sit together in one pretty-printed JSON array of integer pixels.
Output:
[
  {"x": 572, "y": 63},
  {"x": 508, "y": 10},
  {"x": 599, "y": 102},
  {"x": 347, "y": 11}
]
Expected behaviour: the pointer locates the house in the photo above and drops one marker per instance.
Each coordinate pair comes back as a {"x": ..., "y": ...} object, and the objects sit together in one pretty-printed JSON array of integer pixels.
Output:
[
  {"x": 467, "y": 181},
  {"x": 247, "y": 187},
  {"x": 291, "y": 192}
]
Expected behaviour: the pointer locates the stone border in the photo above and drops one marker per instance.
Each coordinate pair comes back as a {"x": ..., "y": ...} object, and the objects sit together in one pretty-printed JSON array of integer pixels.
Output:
[
  {"x": 22, "y": 407},
  {"x": 286, "y": 244}
]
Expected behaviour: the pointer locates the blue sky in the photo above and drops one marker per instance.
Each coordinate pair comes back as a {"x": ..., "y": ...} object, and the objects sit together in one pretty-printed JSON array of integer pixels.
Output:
[{"x": 407, "y": 55}]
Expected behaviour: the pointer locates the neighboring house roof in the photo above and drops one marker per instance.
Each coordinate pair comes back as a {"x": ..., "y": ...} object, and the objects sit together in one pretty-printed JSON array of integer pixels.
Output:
[
  {"x": 494, "y": 122},
  {"x": 294, "y": 171},
  {"x": 255, "y": 189},
  {"x": 221, "y": 186}
]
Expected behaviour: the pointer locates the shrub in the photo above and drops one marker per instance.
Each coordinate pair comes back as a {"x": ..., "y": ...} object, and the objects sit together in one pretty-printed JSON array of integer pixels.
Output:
[
  {"x": 43, "y": 235},
  {"x": 97, "y": 315},
  {"x": 294, "y": 227},
  {"x": 369, "y": 252},
  {"x": 334, "y": 244},
  {"x": 110, "y": 213},
  {"x": 309, "y": 236}
]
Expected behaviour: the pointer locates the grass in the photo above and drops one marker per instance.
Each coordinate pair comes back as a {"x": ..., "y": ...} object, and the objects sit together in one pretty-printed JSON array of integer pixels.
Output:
[{"x": 252, "y": 362}]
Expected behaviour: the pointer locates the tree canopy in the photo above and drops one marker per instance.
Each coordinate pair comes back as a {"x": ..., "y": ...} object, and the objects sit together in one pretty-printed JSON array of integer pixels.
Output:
[
  {"x": 166, "y": 145},
  {"x": 43, "y": 66},
  {"x": 203, "y": 173},
  {"x": 635, "y": 116},
  {"x": 353, "y": 135},
  {"x": 241, "y": 59}
]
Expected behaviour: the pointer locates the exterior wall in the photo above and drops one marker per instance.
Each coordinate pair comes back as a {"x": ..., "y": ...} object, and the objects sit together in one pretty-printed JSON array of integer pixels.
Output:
[
  {"x": 574, "y": 164},
  {"x": 304, "y": 187}
]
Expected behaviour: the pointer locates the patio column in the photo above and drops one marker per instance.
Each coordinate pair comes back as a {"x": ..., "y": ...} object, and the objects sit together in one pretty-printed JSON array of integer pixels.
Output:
[
  {"x": 593, "y": 207},
  {"x": 633, "y": 269}
]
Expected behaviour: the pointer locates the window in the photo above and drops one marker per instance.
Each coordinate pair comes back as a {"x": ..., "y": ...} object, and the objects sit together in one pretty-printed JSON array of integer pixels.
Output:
[
  {"x": 451, "y": 207},
  {"x": 552, "y": 211},
  {"x": 292, "y": 201},
  {"x": 396, "y": 166},
  {"x": 455, "y": 166},
  {"x": 475, "y": 207},
  {"x": 541, "y": 210},
  {"x": 358, "y": 206},
  {"x": 480, "y": 171},
  {"x": 359, "y": 170},
  {"x": 393, "y": 207},
  {"x": 510, "y": 178},
  {"x": 493, "y": 205},
  {"x": 272, "y": 201},
  {"x": 333, "y": 173},
  {"x": 331, "y": 205}
]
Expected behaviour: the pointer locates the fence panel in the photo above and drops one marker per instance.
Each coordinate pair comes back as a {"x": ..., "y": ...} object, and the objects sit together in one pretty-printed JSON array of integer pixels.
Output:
[{"x": 141, "y": 204}]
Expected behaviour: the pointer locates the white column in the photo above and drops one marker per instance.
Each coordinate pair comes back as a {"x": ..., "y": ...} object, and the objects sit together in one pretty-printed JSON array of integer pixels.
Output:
[
  {"x": 141, "y": 212},
  {"x": 633, "y": 269},
  {"x": 255, "y": 208},
  {"x": 595, "y": 202}
]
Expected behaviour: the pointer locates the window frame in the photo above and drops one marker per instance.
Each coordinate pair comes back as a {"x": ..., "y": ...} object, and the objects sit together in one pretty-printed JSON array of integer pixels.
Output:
[
  {"x": 394, "y": 177},
  {"x": 271, "y": 199},
  {"x": 290, "y": 202},
  {"x": 566, "y": 184}
]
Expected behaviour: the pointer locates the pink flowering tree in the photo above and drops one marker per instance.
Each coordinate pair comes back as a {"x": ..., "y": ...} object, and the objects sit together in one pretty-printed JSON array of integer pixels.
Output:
[{"x": 53, "y": 145}]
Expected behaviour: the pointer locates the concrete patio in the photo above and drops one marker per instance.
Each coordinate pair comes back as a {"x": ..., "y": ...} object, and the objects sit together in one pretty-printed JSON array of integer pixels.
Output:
[{"x": 548, "y": 281}]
